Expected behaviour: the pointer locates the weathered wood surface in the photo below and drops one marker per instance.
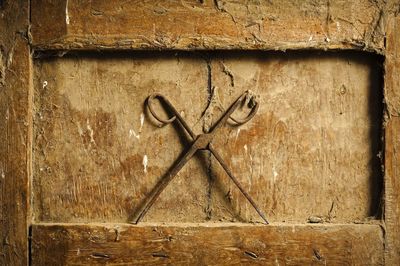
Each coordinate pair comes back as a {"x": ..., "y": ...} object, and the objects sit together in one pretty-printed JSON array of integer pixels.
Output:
[
  {"x": 392, "y": 144},
  {"x": 90, "y": 162},
  {"x": 209, "y": 24},
  {"x": 310, "y": 150},
  {"x": 15, "y": 132},
  {"x": 207, "y": 244},
  {"x": 97, "y": 153}
]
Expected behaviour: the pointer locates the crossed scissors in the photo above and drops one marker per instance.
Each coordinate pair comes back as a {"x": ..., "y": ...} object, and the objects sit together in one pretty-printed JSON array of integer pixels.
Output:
[{"x": 200, "y": 142}]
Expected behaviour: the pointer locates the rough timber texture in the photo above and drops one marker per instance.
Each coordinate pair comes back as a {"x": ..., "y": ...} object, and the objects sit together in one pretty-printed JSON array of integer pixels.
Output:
[
  {"x": 97, "y": 154},
  {"x": 207, "y": 245},
  {"x": 92, "y": 135},
  {"x": 392, "y": 144},
  {"x": 15, "y": 124},
  {"x": 209, "y": 24},
  {"x": 311, "y": 150}
]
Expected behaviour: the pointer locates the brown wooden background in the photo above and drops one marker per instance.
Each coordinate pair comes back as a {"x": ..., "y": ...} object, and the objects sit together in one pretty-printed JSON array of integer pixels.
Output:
[{"x": 74, "y": 131}]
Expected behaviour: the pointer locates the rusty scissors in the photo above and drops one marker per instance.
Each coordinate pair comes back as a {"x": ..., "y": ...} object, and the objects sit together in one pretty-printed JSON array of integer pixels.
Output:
[{"x": 200, "y": 142}]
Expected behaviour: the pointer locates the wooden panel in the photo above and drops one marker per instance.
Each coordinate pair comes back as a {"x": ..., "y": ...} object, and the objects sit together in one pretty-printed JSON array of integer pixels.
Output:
[
  {"x": 311, "y": 149},
  {"x": 206, "y": 244},
  {"x": 98, "y": 154},
  {"x": 15, "y": 132},
  {"x": 208, "y": 24},
  {"x": 309, "y": 152},
  {"x": 392, "y": 145}
]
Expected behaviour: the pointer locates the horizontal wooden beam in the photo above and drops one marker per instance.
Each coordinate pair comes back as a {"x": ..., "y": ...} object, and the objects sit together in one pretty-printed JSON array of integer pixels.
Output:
[
  {"x": 208, "y": 243},
  {"x": 208, "y": 24}
]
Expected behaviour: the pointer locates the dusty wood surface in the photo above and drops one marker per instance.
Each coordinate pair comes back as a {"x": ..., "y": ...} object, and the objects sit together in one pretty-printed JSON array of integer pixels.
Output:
[
  {"x": 15, "y": 132},
  {"x": 207, "y": 244},
  {"x": 91, "y": 163},
  {"x": 311, "y": 149},
  {"x": 309, "y": 152},
  {"x": 392, "y": 145},
  {"x": 97, "y": 153},
  {"x": 209, "y": 24}
]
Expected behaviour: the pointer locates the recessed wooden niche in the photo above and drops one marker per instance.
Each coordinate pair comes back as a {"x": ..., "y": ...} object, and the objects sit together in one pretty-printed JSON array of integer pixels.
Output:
[{"x": 311, "y": 151}]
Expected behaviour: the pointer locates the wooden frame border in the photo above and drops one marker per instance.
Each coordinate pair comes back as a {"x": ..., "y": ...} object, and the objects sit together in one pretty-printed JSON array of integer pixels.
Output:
[
  {"x": 208, "y": 24},
  {"x": 204, "y": 244},
  {"x": 15, "y": 131},
  {"x": 392, "y": 143},
  {"x": 86, "y": 25}
]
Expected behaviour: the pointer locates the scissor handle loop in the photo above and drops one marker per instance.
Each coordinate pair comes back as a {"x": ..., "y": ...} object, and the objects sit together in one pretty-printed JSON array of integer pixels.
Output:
[
  {"x": 176, "y": 115},
  {"x": 153, "y": 112},
  {"x": 254, "y": 109}
]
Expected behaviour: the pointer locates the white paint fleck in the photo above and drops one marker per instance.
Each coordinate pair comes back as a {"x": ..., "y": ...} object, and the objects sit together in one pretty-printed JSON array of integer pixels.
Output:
[
  {"x": 80, "y": 131},
  {"x": 310, "y": 39},
  {"x": 45, "y": 83},
  {"x": 141, "y": 122},
  {"x": 132, "y": 133},
  {"x": 91, "y": 133},
  {"x": 237, "y": 134},
  {"x": 145, "y": 162},
  {"x": 327, "y": 39},
  {"x": 66, "y": 13},
  {"x": 3, "y": 175},
  {"x": 274, "y": 172},
  {"x": 338, "y": 25},
  {"x": 245, "y": 147}
]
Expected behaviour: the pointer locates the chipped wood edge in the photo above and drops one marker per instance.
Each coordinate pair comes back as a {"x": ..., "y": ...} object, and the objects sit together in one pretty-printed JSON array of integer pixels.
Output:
[{"x": 194, "y": 43}]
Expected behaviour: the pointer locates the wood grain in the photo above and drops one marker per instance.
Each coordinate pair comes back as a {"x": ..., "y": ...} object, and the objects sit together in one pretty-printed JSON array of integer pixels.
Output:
[
  {"x": 15, "y": 132},
  {"x": 207, "y": 244},
  {"x": 209, "y": 24},
  {"x": 310, "y": 151},
  {"x": 95, "y": 142},
  {"x": 392, "y": 144},
  {"x": 312, "y": 148},
  {"x": 89, "y": 165}
]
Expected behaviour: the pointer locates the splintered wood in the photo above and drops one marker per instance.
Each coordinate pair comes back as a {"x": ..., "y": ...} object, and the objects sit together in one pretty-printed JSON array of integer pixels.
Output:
[{"x": 309, "y": 152}]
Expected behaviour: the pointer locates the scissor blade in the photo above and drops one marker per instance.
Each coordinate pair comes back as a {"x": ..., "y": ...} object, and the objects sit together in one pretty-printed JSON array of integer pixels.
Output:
[
  {"x": 234, "y": 179},
  {"x": 163, "y": 183}
]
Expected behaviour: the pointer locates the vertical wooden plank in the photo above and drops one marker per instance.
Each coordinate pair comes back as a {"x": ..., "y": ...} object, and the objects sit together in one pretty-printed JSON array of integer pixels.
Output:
[
  {"x": 392, "y": 143},
  {"x": 14, "y": 131}
]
